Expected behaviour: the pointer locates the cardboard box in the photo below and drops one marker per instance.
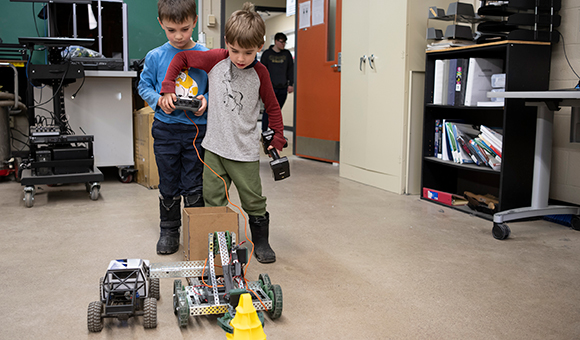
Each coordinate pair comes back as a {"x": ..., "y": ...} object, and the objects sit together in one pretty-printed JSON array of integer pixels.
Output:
[
  {"x": 147, "y": 174},
  {"x": 199, "y": 222}
]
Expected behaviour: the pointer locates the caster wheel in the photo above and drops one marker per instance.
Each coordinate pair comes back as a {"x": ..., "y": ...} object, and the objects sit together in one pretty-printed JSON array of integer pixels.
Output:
[
  {"x": 126, "y": 179},
  {"x": 500, "y": 231},
  {"x": 95, "y": 193},
  {"x": 575, "y": 223},
  {"x": 28, "y": 199}
]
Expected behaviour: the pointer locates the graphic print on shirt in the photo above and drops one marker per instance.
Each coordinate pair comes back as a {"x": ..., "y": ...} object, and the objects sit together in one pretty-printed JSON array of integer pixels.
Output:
[
  {"x": 232, "y": 98},
  {"x": 185, "y": 86}
]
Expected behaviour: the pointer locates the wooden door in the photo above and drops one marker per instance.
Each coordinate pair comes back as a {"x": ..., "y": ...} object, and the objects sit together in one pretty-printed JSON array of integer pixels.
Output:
[{"x": 317, "y": 108}]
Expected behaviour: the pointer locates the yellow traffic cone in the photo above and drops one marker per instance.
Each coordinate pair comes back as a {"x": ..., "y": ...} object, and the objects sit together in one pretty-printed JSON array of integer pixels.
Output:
[{"x": 246, "y": 324}]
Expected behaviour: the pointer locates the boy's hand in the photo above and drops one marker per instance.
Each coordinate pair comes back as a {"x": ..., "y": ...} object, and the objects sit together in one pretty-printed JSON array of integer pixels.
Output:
[
  {"x": 270, "y": 148},
  {"x": 203, "y": 106},
  {"x": 165, "y": 102}
]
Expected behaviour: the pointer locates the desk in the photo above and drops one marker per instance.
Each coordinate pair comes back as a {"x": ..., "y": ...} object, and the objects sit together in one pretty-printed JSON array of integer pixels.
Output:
[
  {"x": 547, "y": 102},
  {"x": 103, "y": 108}
]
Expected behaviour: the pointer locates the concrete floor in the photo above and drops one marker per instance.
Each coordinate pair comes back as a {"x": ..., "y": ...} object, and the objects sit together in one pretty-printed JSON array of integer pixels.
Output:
[{"x": 354, "y": 262}]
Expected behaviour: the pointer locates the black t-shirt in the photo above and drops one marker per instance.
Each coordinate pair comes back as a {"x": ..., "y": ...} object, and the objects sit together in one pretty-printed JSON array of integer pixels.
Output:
[{"x": 280, "y": 65}]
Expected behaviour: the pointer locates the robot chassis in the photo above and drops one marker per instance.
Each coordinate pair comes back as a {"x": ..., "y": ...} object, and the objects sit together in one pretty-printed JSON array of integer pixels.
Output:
[{"x": 221, "y": 295}]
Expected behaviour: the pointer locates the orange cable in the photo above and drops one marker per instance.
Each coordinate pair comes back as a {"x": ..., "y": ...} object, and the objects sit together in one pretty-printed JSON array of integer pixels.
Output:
[{"x": 227, "y": 195}]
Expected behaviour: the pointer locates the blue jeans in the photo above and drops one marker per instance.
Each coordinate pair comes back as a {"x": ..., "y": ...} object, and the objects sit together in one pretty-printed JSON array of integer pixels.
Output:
[{"x": 180, "y": 170}]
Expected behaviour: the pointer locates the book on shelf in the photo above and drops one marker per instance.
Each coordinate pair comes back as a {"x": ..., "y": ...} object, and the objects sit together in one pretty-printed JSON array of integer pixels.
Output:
[
  {"x": 493, "y": 135},
  {"x": 490, "y": 104},
  {"x": 440, "y": 81},
  {"x": 480, "y": 160},
  {"x": 444, "y": 197},
  {"x": 493, "y": 162},
  {"x": 480, "y": 152},
  {"x": 467, "y": 132},
  {"x": 492, "y": 138},
  {"x": 461, "y": 75},
  {"x": 446, "y": 152},
  {"x": 483, "y": 139},
  {"x": 437, "y": 139},
  {"x": 478, "y": 82},
  {"x": 487, "y": 148},
  {"x": 451, "y": 142},
  {"x": 465, "y": 146},
  {"x": 452, "y": 70}
]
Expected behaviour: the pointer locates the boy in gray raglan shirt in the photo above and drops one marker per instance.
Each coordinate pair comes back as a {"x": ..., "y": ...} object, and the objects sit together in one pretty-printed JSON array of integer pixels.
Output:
[{"x": 237, "y": 82}]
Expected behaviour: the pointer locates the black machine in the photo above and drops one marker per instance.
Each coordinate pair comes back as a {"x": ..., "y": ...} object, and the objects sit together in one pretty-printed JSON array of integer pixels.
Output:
[
  {"x": 57, "y": 156},
  {"x": 279, "y": 165}
]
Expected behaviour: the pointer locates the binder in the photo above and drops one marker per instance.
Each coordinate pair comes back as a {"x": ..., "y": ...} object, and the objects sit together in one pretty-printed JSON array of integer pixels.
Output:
[
  {"x": 440, "y": 82},
  {"x": 479, "y": 79},
  {"x": 452, "y": 70},
  {"x": 461, "y": 80},
  {"x": 444, "y": 197}
]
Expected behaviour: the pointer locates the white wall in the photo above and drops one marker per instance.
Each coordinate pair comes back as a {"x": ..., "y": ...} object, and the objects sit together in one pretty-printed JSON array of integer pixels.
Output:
[
  {"x": 212, "y": 33},
  {"x": 282, "y": 23},
  {"x": 565, "y": 181}
]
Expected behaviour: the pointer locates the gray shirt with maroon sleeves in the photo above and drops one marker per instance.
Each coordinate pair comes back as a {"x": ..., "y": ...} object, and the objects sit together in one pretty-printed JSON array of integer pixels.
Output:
[{"x": 233, "y": 105}]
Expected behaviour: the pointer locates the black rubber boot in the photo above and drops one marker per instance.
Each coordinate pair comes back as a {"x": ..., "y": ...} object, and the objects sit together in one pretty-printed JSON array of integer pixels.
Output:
[
  {"x": 193, "y": 200},
  {"x": 170, "y": 215},
  {"x": 260, "y": 227}
]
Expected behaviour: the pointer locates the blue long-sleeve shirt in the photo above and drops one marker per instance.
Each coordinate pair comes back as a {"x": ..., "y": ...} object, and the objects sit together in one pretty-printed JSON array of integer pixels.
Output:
[{"x": 156, "y": 63}]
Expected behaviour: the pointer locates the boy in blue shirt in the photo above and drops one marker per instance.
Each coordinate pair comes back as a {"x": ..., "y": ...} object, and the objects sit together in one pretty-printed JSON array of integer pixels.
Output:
[
  {"x": 238, "y": 82},
  {"x": 180, "y": 170}
]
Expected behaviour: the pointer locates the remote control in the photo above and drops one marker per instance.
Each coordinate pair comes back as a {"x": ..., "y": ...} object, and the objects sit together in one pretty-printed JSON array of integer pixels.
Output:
[{"x": 192, "y": 105}]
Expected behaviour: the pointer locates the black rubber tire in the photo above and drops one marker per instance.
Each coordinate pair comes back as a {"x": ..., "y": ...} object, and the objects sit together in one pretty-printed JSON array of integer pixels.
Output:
[
  {"x": 94, "y": 316},
  {"x": 101, "y": 288},
  {"x": 154, "y": 288},
  {"x": 266, "y": 282},
  {"x": 500, "y": 231},
  {"x": 176, "y": 287},
  {"x": 277, "y": 302},
  {"x": 150, "y": 313},
  {"x": 575, "y": 223}
]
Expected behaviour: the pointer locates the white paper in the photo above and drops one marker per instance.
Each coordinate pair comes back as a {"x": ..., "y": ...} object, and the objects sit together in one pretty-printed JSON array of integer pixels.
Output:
[
  {"x": 304, "y": 21},
  {"x": 317, "y": 12},
  {"x": 290, "y": 7}
]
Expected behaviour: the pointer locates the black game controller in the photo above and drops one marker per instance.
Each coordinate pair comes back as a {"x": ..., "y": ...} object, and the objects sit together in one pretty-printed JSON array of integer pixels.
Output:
[
  {"x": 280, "y": 166},
  {"x": 192, "y": 104}
]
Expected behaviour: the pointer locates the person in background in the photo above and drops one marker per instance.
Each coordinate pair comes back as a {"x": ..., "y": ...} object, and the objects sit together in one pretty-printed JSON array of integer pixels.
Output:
[
  {"x": 280, "y": 64},
  {"x": 173, "y": 131}
]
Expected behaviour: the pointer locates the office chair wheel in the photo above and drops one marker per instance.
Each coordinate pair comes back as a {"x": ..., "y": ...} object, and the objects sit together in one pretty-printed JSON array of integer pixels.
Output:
[
  {"x": 500, "y": 231},
  {"x": 95, "y": 193},
  {"x": 575, "y": 223},
  {"x": 28, "y": 199}
]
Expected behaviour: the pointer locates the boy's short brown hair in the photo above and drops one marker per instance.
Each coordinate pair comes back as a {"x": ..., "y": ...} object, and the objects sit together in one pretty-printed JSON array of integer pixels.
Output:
[
  {"x": 245, "y": 27},
  {"x": 176, "y": 11}
]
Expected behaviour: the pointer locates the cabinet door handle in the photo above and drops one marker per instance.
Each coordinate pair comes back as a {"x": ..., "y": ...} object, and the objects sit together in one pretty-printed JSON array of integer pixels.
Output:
[
  {"x": 371, "y": 60},
  {"x": 363, "y": 60}
]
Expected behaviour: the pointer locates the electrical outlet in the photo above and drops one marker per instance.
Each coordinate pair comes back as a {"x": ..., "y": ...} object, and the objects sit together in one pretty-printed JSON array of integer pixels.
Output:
[{"x": 209, "y": 42}]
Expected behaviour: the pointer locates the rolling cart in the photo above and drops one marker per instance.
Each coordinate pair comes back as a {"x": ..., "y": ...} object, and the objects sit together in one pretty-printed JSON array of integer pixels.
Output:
[{"x": 56, "y": 155}]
